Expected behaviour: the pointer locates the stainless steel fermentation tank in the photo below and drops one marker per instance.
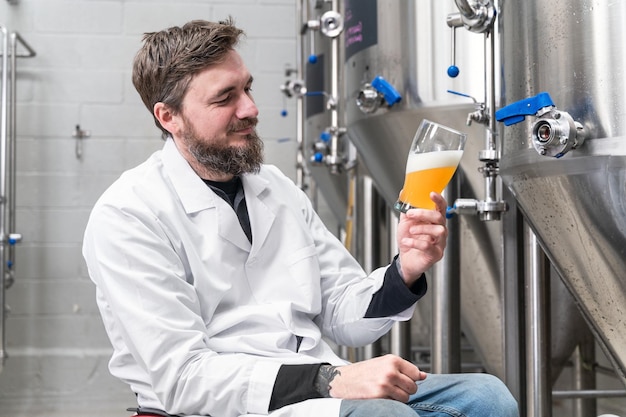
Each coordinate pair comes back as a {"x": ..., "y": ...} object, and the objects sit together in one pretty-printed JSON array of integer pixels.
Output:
[
  {"x": 575, "y": 50},
  {"x": 408, "y": 45},
  {"x": 560, "y": 165}
]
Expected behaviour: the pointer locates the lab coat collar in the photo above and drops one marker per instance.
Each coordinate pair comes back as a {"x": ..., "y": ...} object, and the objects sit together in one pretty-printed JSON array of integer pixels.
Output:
[{"x": 192, "y": 191}]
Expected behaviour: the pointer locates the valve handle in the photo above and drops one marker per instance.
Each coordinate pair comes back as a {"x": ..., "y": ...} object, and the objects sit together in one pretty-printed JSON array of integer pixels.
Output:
[
  {"x": 462, "y": 95},
  {"x": 325, "y": 136},
  {"x": 318, "y": 157},
  {"x": 516, "y": 112},
  {"x": 390, "y": 94}
]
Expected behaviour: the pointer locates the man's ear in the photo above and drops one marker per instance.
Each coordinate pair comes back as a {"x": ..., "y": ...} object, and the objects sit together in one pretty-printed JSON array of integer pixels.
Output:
[{"x": 166, "y": 117}]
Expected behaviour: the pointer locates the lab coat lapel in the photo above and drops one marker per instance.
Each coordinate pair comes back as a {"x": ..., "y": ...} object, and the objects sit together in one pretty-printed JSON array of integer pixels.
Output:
[
  {"x": 229, "y": 228},
  {"x": 262, "y": 214},
  {"x": 196, "y": 196}
]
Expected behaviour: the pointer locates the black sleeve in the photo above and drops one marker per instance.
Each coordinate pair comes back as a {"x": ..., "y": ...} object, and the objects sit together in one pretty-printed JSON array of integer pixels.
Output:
[
  {"x": 294, "y": 383},
  {"x": 394, "y": 296}
]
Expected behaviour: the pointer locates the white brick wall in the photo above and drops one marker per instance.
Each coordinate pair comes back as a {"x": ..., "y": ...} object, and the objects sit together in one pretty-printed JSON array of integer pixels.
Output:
[{"x": 57, "y": 347}]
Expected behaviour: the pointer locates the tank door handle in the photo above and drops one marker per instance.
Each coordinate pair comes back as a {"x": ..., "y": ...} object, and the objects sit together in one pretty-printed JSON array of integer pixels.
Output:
[{"x": 517, "y": 112}]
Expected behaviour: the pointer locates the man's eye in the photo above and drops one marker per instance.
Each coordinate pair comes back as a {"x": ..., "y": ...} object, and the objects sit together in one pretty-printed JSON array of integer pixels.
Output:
[{"x": 223, "y": 101}]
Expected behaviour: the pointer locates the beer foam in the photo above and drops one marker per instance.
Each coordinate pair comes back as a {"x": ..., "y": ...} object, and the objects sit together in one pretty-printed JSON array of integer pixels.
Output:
[{"x": 430, "y": 160}]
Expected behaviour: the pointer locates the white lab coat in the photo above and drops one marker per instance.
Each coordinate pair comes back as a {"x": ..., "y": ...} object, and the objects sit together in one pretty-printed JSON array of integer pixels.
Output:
[{"x": 200, "y": 319}]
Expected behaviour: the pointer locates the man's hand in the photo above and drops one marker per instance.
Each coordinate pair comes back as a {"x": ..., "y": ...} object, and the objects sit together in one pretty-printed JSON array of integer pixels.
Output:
[
  {"x": 422, "y": 238},
  {"x": 389, "y": 377}
]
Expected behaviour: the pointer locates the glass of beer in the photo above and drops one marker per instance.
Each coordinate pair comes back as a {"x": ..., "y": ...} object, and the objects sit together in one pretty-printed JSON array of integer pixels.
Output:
[{"x": 433, "y": 158}]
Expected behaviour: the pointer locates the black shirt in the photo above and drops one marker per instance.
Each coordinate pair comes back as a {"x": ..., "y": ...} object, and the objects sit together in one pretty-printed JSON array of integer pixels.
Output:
[{"x": 232, "y": 192}]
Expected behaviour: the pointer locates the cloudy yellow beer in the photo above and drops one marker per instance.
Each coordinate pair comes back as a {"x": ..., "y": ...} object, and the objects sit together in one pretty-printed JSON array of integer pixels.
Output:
[{"x": 426, "y": 172}]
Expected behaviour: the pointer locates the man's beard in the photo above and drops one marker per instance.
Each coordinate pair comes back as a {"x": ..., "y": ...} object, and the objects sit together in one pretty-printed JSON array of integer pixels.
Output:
[{"x": 226, "y": 159}]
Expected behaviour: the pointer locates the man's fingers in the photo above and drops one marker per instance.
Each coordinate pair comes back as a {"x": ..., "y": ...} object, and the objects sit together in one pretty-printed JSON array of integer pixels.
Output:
[
  {"x": 427, "y": 216},
  {"x": 439, "y": 201}
]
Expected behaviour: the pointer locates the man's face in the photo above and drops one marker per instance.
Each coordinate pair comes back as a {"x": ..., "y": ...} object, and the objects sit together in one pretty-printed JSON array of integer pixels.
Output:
[{"x": 218, "y": 120}]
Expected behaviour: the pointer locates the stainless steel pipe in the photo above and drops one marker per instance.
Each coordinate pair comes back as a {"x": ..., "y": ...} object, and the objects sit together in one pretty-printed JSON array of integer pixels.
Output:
[
  {"x": 539, "y": 386},
  {"x": 8, "y": 137},
  {"x": 4, "y": 131},
  {"x": 446, "y": 289}
]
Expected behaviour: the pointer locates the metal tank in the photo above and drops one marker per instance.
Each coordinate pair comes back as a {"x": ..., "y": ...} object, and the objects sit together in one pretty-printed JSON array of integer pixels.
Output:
[
  {"x": 408, "y": 45},
  {"x": 565, "y": 159},
  {"x": 403, "y": 43}
]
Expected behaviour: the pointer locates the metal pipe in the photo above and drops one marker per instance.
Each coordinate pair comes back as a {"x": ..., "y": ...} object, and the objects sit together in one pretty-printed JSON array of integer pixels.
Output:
[
  {"x": 366, "y": 251},
  {"x": 366, "y": 222},
  {"x": 400, "y": 334},
  {"x": 490, "y": 88},
  {"x": 8, "y": 139},
  {"x": 491, "y": 156},
  {"x": 12, "y": 155},
  {"x": 300, "y": 170},
  {"x": 4, "y": 103},
  {"x": 595, "y": 393},
  {"x": 477, "y": 17},
  {"x": 585, "y": 376},
  {"x": 446, "y": 290},
  {"x": 466, "y": 10},
  {"x": 334, "y": 93},
  {"x": 30, "y": 52},
  {"x": 539, "y": 400},
  {"x": 367, "y": 218},
  {"x": 511, "y": 278},
  {"x": 400, "y": 339}
]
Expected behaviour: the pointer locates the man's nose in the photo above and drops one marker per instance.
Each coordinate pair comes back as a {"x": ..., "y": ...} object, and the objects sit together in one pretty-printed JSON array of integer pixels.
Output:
[{"x": 246, "y": 107}]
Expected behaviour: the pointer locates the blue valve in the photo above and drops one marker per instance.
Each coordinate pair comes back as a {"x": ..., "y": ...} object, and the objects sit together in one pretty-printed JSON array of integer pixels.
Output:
[
  {"x": 517, "y": 112},
  {"x": 453, "y": 71},
  {"x": 450, "y": 212},
  {"x": 388, "y": 91},
  {"x": 283, "y": 113},
  {"x": 318, "y": 157},
  {"x": 325, "y": 136},
  {"x": 313, "y": 59}
]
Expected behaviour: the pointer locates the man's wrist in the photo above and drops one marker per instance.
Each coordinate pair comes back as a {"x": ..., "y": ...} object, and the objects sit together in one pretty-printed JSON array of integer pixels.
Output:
[
  {"x": 325, "y": 376},
  {"x": 399, "y": 266}
]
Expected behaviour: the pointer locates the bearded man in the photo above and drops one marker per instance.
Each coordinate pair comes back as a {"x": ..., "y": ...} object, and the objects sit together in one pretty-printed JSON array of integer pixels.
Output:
[{"x": 218, "y": 284}]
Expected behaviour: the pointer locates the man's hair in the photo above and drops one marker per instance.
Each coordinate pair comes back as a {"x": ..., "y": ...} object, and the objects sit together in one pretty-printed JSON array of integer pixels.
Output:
[{"x": 168, "y": 60}]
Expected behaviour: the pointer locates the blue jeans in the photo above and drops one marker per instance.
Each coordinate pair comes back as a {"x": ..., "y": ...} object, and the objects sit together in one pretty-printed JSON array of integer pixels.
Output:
[{"x": 447, "y": 395}]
